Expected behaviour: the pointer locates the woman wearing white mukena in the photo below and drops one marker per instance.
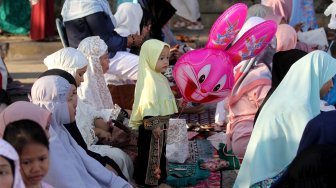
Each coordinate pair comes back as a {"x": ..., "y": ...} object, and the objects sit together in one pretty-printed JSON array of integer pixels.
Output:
[{"x": 84, "y": 18}]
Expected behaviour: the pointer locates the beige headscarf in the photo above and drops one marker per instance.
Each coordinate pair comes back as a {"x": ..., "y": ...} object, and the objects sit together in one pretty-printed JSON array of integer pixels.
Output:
[
  {"x": 68, "y": 59},
  {"x": 153, "y": 96}
]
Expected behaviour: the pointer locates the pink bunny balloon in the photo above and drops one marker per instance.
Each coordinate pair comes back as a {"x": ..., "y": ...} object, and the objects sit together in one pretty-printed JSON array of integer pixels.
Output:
[{"x": 206, "y": 75}]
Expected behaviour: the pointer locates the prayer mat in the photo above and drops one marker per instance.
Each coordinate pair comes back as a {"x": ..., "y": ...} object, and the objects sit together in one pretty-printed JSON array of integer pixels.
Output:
[
  {"x": 202, "y": 119},
  {"x": 190, "y": 173},
  {"x": 213, "y": 181}
]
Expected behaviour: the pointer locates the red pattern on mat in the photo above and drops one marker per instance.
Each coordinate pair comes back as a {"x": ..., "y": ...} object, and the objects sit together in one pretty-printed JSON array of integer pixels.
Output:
[{"x": 212, "y": 182}]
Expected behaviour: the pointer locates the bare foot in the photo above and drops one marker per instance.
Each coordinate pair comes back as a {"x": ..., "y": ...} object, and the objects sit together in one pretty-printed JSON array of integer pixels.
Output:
[{"x": 157, "y": 173}]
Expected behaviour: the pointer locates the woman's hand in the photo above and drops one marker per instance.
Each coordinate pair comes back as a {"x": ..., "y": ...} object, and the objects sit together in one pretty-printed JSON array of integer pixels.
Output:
[
  {"x": 104, "y": 136},
  {"x": 298, "y": 27},
  {"x": 157, "y": 133},
  {"x": 135, "y": 40},
  {"x": 110, "y": 168}
]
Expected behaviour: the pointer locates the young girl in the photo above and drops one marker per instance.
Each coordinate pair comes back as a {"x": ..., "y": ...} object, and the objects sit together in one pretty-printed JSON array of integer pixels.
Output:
[
  {"x": 10, "y": 176},
  {"x": 153, "y": 103},
  {"x": 30, "y": 141}
]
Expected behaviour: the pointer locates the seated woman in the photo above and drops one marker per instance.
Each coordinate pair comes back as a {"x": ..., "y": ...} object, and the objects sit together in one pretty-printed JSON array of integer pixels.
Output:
[
  {"x": 282, "y": 62},
  {"x": 84, "y": 18},
  {"x": 55, "y": 94},
  {"x": 63, "y": 60},
  {"x": 9, "y": 167},
  {"x": 72, "y": 128},
  {"x": 281, "y": 122},
  {"x": 94, "y": 92}
]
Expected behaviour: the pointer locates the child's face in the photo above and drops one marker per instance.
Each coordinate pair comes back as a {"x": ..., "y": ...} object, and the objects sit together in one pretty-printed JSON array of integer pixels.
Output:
[
  {"x": 163, "y": 61},
  {"x": 104, "y": 61},
  {"x": 72, "y": 103},
  {"x": 79, "y": 75},
  {"x": 34, "y": 161},
  {"x": 6, "y": 173}
]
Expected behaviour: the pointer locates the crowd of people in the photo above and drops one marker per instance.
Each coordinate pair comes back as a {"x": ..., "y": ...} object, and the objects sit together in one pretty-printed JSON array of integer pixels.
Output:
[{"x": 72, "y": 134}]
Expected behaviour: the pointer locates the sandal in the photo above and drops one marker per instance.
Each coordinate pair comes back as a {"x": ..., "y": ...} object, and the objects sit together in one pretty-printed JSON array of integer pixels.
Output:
[
  {"x": 196, "y": 26},
  {"x": 179, "y": 24},
  {"x": 214, "y": 164}
]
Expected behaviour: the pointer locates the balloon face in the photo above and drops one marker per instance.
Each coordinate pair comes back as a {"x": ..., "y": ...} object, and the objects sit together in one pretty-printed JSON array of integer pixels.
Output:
[{"x": 204, "y": 76}]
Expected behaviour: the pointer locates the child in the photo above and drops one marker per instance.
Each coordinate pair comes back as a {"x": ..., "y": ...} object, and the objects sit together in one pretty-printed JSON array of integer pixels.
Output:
[
  {"x": 154, "y": 102},
  {"x": 9, "y": 167},
  {"x": 31, "y": 143}
]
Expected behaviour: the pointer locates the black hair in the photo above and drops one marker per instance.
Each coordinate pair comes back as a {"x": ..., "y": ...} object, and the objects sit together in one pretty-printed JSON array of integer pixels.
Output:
[
  {"x": 23, "y": 132},
  {"x": 11, "y": 164}
]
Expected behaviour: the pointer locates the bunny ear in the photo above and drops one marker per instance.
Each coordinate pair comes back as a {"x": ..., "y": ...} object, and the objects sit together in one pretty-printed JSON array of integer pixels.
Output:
[
  {"x": 253, "y": 41},
  {"x": 226, "y": 27}
]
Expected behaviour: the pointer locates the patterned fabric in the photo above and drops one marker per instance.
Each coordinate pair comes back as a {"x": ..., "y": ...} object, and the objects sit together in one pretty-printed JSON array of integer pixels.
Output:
[
  {"x": 191, "y": 173},
  {"x": 268, "y": 182},
  {"x": 152, "y": 155},
  {"x": 177, "y": 141},
  {"x": 303, "y": 11},
  {"x": 94, "y": 89},
  {"x": 155, "y": 122},
  {"x": 155, "y": 151},
  {"x": 15, "y": 16},
  {"x": 205, "y": 118}
]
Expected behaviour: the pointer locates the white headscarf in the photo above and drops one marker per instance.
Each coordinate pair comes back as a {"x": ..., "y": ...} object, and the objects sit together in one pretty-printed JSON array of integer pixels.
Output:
[
  {"x": 128, "y": 17},
  {"x": 68, "y": 59},
  {"x": 94, "y": 90},
  {"x": 279, "y": 127},
  {"x": 70, "y": 166},
  {"x": 6, "y": 150},
  {"x": 74, "y": 9}
]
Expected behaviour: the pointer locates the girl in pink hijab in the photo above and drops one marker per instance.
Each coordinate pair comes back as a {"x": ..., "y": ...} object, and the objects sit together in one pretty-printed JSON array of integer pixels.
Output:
[
  {"x": 25, "y": 110},
  {"x": 9, "y": 167},
  {"x": 26, "y": 127},
  {"x": 286, "y": 38}
]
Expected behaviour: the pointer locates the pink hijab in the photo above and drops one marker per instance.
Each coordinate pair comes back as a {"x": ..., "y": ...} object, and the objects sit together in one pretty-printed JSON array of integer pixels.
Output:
[
  {"x": 24, "y": 110},
  {"x": 6, "y": 150},
  {"x": 286, "y": 37},
  {"x": 281, "y": 8}
]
